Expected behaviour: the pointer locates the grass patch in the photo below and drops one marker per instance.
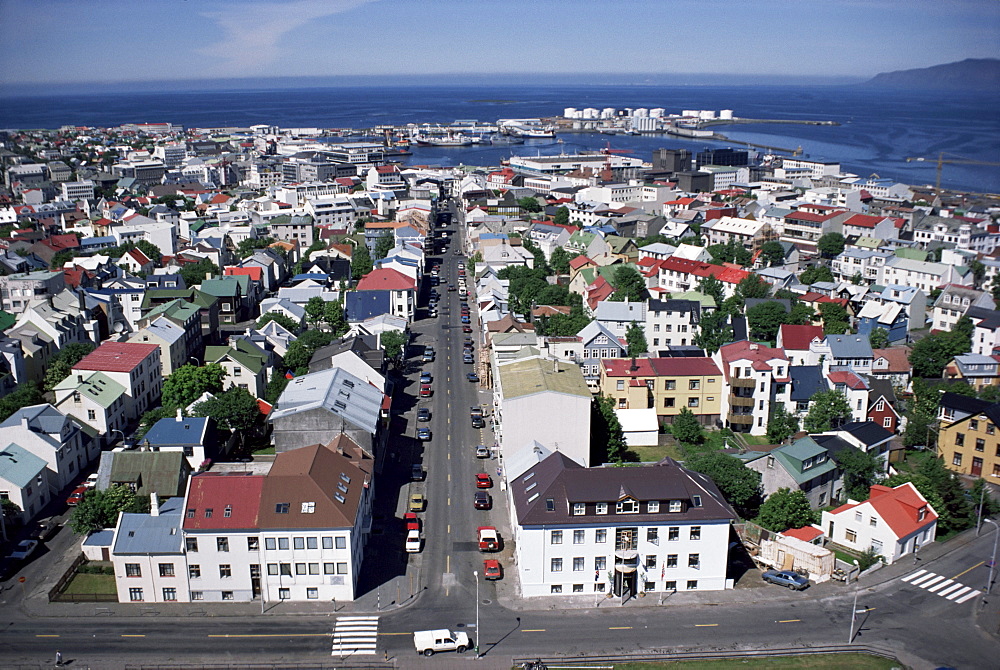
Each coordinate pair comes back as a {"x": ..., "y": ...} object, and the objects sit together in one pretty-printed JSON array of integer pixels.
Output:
[
  {"x": 755, "y": 439},
  {"x": 657, "y": 453},
  {"x": 89, "y": 584},
  {"x": 264, "y": 450},
  {"x": 819, "y": 662}
]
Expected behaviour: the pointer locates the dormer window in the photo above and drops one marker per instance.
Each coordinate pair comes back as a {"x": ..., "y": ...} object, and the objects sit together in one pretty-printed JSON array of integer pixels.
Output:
[
  {"x": 696, "y": 501},
  {"x": 674, "y": 506},
  {"x": 601, "y": 508},
  {"x": 579, "y": 509},
  {"x": 627, "y": 506},
  {"x": 653, "y": 507},
  {"x": 550, "y": 505},
  {"x": 921, "y": 514}
]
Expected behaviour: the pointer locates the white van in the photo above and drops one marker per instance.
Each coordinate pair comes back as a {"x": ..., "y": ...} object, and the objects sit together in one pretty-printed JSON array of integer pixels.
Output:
[{"x": 429, "y": 641}]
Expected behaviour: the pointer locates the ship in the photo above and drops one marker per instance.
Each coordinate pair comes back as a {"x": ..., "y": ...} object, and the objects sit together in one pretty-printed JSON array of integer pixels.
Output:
[{"x": 449, "y": 140}]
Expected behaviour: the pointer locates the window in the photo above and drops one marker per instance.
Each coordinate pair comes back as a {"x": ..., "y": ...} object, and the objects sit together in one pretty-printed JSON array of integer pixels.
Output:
[
  {"x": 621, "y": 385},
  {"x": 873, "y": 522},
  {"x": 550, "y": 505},
  {"x": 696, "y": 501},
  {"x": 973, "y": 424},
  {"x": 653, "y": 506},
  {"x": 694, "y": 560},
  {"x": 227, "y": 595},
  {"x": 194, "y": 571},
  {"x": 578, "y": 564},
  {"x": 228, "y": 512},
  {"x": 341, "y": 542},
  {"x": 314, "y": 568},
  {"x": 599, "y": 588},
  {"x": 166, "y": 569},
  {"x": 668, "y": 402},
  {"x": 135, "y": 595},
  {"x": 555, "y": 565},
  {"x": 282, "y": 543},
  {"x": 578, "y": 536},
  {"x": 670, "y": 586},
  {"x": 299, "y": 542},
  {"x": 281, "y": 508},
  {"x": 980, "y": 444},
  {"x": 851, "y": 535},
  {"x": 673, "y": 533},
  {"x": 600, "y": 536},
  {"x": 222, "y": 543},
  {"x": 272, "y": 569},
  {"x": 329, "y": 569},
  {"x": 556, "y": 537},
  {"x": 91, "y": 415},
  {"x": 253, "y": 544},
  {"x": 328, "y": 543},
  {"x": 670, "y": 385},
  {"x": 671, "y": 560},
  {"x": 311, "y": 543},
  {"x": 857, "y": 516},
  {"x": 285, "y": 569},
  {"x": 270, "y": 543},
  {"x": 169, "y": 594},
  {"x": 237, "y": 371},
  {"x": 887, "y": 422},
  {"x": 197, "y": 595},
  {"x": 300, "y": 568},
  {"x": 578, "y": 588},
  {"x": 653, "y": 535},
  {"x": 579, "y": 508},
  {"x": 959, "y": 439},
  {"x": 191, "y": 543},
  {"x": 692, "y": 585},
  {"x": 694, "y": 384},
  {"x": 693, "y": 402},
  {"x": 695, "y": 532},
  {"x": 284, "y": 594},
  {"x": 312, "y": 593},
  {"x": 342, "y": 568},
  {"x": 650, "y": 561},
  {"x": 877, "y": 546},
  {"x": 990, "y": 428},
  {"x": 133, "y": 570},
  {"x": 555, "y": 588},
  {"x": 627, "y": 506},
  {"x": 225, "y": 571},
  {"x": 600, "y": 563},
  {"x": 956, "y": 458},
  {"x": 674, "y": 506},
  {"x": 649, "y": 586},
  {"x": 208, "y": 512}
]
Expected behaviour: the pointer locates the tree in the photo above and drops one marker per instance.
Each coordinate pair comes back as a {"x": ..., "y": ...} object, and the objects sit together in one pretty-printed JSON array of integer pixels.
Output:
[
  {"x": 361, "y": 262},
  {"x": 629, "y": 285},
  {"x": 753, "y": 286},
  {"x": 301, "y": 350},
  {"x": 815, "y": 273},
  {"x": 943, "y": 490},
  {"x": 27, "y": 394},
  {"x": 234, "y": 409},
  {"x": 981, "y": 496},
  {"x": 713, "y": 331},
  {"x": 929, "y": 356},
  {"x": 785, "y": 509},
  {"x": 150, "y": 250},
  {"x": 189, "y": 382},
  {"x": 635, "y": 336},
  {"x": 383, "y": 245},
  {"x": 529, "y": 204},
  {"x": 195, "y": 273},
  {"x": 315, "y": 308},
  {"x": 738, "y": 483},
  {"x": 801, "y": 314},
  {"x": 60, "y": 258},
  {"x": 561, "y": 325},
  {"x": 394, "y": 345},
  {"x": 978, "y": 271},
  {"x": 333, "y": 316},
  {"x": 559, "y": 261},
  {"x": 772, "y": 254},
  {"x": 828, "y": 410},
  {"x": 686, "y": 429},
  {"x": 713, "y": 288},
  {"x": 561, "y": 216},
  {"x": 835, "y": 319},
  {"x": 831, "y": 244},
  {"x": 62, "y": 363},
  {"x": 765, "y": 319},
  {"x": 283, "y": 320},
  {"x": 246, "y": 247},
  {"x": 99, "y": 509},
  {"x": 276, "y": 384},
  {"x": 781, "y": 425},
  {"x": 607, "y": 438},
  {"x": 861, "y": 469},
  {"x": 878, "y": 338}
]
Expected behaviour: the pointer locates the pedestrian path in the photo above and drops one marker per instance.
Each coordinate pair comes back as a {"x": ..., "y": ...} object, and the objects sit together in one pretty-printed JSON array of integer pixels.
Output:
[
  {"x": 938, "y": 585},
  {"x": 354, "y": 635}
]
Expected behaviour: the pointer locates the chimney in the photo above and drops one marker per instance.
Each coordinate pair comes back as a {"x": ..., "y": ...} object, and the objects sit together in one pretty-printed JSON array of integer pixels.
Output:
[
  {"x": 154, "y": 504},
  {"x": 180, "y": 417},
  {"x": 633, "y": 367}
]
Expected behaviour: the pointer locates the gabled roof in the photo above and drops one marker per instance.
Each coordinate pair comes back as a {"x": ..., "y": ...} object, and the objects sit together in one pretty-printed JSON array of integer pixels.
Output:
[
  {"x": 798, "y": 338},
  {"x": 116, "y": 356},
  {"x": 145, "y": 534},
  {"x": 19, "y": 466},
  {"x": 223, "y": 501},
  {"x": 189, "y": 430},
  {"x": 334, "y": 390},
  {"x": 362, "y": 305},
  {"x": 849, "y": 346},
  {"x": 899, "y": 507},
  {"x": 898, "y": 358},
  {"x": 96, "y": 386},
  {"x": 385, "y": 279},
  {"x": 161, "y": 472},
  {"x": 807, "y": 380}
]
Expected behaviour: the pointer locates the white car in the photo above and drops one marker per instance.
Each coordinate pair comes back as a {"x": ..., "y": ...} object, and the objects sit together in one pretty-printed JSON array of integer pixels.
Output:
[
  {"x": 413, "y": 542},
  {"x": 24, "y": 549},
  {"x": 91, "y": 481}
]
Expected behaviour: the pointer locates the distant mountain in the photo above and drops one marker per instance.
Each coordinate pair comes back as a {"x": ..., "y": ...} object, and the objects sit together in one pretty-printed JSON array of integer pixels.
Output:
[{"x": 969, "y": 74}]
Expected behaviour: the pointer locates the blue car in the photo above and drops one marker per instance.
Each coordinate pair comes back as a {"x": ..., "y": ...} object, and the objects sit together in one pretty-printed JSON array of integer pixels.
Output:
[
  {"x": 465, "y": 319},
  {"x": 792, "y": 580},
  {"x": 472, "y": 377}
]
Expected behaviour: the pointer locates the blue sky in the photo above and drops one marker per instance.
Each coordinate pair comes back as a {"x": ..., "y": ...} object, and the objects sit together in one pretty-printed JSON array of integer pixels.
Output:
[{"x": 55, "y": 41}]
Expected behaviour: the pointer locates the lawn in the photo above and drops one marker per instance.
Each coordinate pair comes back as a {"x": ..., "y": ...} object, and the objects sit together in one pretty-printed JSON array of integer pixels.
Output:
[
  {"x": 654, "y": 454},
  {"x": 818, "y": 662},
  {"x": 89, "y": 584}
]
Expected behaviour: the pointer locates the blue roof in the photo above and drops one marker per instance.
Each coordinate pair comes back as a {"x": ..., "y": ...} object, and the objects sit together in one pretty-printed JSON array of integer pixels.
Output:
[
  {"x": 362, "y": 305},
  {"x": 806, "y": 381},
  {"x": 148, "y": 534},
  {"x": 318, "y": 276},
  {"x": 849, "y": 346},
  {"x": 19, "y": 466},
  {"x": 493, "y": 236},
  {"x": 102, "y": 538},
  {"x": 190, "y": 430},
  {"x": 98, "y": 241}
]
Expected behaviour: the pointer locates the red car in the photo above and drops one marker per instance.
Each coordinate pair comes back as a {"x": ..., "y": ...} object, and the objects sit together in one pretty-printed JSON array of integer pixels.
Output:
[
  {"x": 492, "y": 569},
  {"x": 466, "y": 329},
  {"x": 425, "y": 390},
  {"x": 483, "y": 481},
  {"x": 76, "y": 496},
  {"x": 412, "y": 521}
]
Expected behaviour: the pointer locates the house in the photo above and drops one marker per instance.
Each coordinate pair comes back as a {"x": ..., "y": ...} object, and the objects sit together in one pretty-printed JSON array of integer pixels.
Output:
[
  {"x": 618, "y": 531},
  {"x": 24, "y": 481},
  {"x": 977, "y": 370},
  {"x": 667, "y": 385},
  {"x": 986, "y": 332},
  {"x": 17, "y": 290},
  {"x": 148, "y": 555},
  {"x": 805, "y": 382},
  {"x": 95, "y": 400},
  {"x": 749, "y": 233},
  {"x": 247, "y": 365},
  {"x": 843, "y": 352},
  {"x": 58, "y": 440},
  {"x": 164, "y": 473},
  {"x": 134, "y": 365},
  {"x": 360, "y": 306},
  {"x": 882, "y": 405},
  {"x": 618, "y": 317},
  {"x": 756, "y": 377},
  {"x": 954, "y": 302},
  {"x": 232, "y": 297},
  {"x": 797, "y": 340},
  {"x": 855, "y": 390},
  {"x": 402, "y": 290},
  {"x": 195, "y": 436},
  {"x": 892, "y": 364},
  {"x": 967, "y": 437},
  {"x": 803, "y": 465},
  {"x": 892, "y": 523},
  {"x": 671, "y": 322},
  {"x": 184, "y": 316}
]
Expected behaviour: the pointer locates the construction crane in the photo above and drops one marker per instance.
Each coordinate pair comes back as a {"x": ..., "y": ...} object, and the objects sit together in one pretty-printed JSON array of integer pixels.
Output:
[
  {"x": 607, "y": 151},
  {"x": 942, "y": 161}
]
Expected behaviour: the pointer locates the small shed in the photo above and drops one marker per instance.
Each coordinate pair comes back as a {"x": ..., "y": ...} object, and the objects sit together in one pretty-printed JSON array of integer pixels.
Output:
[
  {"x": 640, "y": 426},
  {"x": 97, "y": 546}
]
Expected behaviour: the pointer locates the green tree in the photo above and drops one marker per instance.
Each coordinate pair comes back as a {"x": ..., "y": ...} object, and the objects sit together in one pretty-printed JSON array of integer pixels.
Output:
[
  {"x": 383, "y": 245},
  {"x": 99, "y": 509},
  {"x": 713, "y": 331},
  {"x": 835, "y": 319},
  {"x": 195, "y": 273},
  {"x": 607, "y": 438},
  {"x": 150, "y": 250},
  {"x": 276, "y": 384},
  {"x": 529, "y": 204},
  {"x": 315, "y": 307},
  {"x": 857, "y": 279},
  {"x": 829, "y": 409},
  {"x": 635, "y": 336},
  {"x": 878, "y": 338},
  {"x": 831, "y": 244},
  {"x": 300, "y": 351},
  {"x": 60, "y": 258},
  {"x": 802, "y": 314},
  {"x": 234, "y": 409},
  {"x": 772, "y": 254},
  {"x": 333, "y": 316},
  {"x": 686, "y": 429},
  {"x": 189, "y": 382},
  {"x": 27, "y": 394},
  {"x": 815, "y": 273},
  {"x": 753, "y": 286},
  {"x": 929, "y": 356},
  {"x": 361, "y": 262},
  {"x": 990, "y": 393},
  {"x": 943, "y": 490},
  {"x": 781, "y": 425},
  {"x": 738, "y": 483},
  {"x": 149, "y": 419},
  {"x": 982, "y": 497},
  {"x": 713, "y": 288},
  {"x": 561, "y": 216},
  {"x": 246, "y": 247},
  {"x": 765, "y": 319},
  {"x": 861, "y": 469},
  {"x": 562, "y": 325},
  {"x": 62, "y": 363},
  {"x": 559, "y": 261},
  {"x": 785, "y": 509},
  {"x": 394, "y": 345},
  {"x": 629, "y": 285},
  {"x": 470, "y": 265},
  {"x": 978, "y": 271},
  {"x": 283, "y": 320}
]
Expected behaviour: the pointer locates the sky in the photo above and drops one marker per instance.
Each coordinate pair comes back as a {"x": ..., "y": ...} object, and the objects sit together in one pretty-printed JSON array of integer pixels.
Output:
[{"x": 112, "y": 41}]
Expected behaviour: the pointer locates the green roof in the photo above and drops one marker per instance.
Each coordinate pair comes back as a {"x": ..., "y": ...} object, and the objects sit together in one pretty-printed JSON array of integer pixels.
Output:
[
  {"x": 868, "y": 242},
  {"x": 793, "y": 455},
  {"x": 535, "y": 375},
  {"x": 98, "y": 387},
  {"x": 705, "y": 300},
  {"x": 19, "y": 466},
  {"x": 912, "y": 254},
  {"x": 158, "y": 471},
  {"x": 178, "y": 309},
  {"x": 225, "y": 287},
  {"x": 6, "y": 320},
  {"x": 251, "y": 361},
  {"x": 618, "y": 244}
]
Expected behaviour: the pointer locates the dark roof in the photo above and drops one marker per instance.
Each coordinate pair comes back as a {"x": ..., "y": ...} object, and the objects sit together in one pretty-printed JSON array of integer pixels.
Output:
[
  {"x": 564, "y": 481},
  {"x": 834, "y": 445},
  {"x": 673, "y": 305},
  {"x": 868, "y": 432},
  {"x": 806, "y": 381},
  {"x": 364, "y": 347},
  {"x": 881, "y": 387},
  {"x": 963, "y": 403},
  {"x": 361, "y": 305}
]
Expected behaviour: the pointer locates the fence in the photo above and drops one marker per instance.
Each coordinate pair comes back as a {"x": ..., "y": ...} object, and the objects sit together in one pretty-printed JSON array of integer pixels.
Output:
[{"x": 57, "y": 596}]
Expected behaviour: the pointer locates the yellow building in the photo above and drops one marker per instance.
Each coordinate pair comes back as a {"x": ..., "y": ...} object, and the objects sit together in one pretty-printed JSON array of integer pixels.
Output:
[
  {"x": 971, "y": 445},
  {"x": 665, "y": 384}
]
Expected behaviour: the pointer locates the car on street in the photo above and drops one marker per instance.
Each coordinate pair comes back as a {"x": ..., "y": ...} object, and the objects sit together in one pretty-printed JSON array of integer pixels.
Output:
[
  {"x": 483, "y": 500},
  {"x": 482, "y": 451},
  {"x": 428, "y": 355},
  {"x": 792, "y": 580},
  {"x": 465, "y": 319},
  {"x": 412, "y": 521},
  {"x": 426, "y": 378},
  {"x": 432, "y": 314},
  {"x": 467, "y": 342},
  {"x": 423, "y": 434},
  {"x": 492, "y": 569},
  {"x": 91, "y": 480},
  {"x": 23, "y": 549},
  {"x": 477, "y": 422},
  {"x": 425, "y": 391},
  {"x": 475, "y": 411},
  {"x": 472, "y": 377},
  {"x": 76, "y": 496},
  {"x": 483, "y": 481},
  {"x": 423, "y": 414},
  {"x": 468, "y": 358},
  {"x": 417, "y": 502},
  {"x": 451, "y": 287},
  {"x": 417, "y": 473},
  {"x": 412, "y": 541},
  {"x": 466, "y": 329}
]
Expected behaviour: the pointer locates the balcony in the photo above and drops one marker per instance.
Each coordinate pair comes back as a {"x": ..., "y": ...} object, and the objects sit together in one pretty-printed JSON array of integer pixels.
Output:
[
  {"x": 737, "y": 401},
  {"x": 742, "y": 382},
  {"x": 743, "y": 419}
]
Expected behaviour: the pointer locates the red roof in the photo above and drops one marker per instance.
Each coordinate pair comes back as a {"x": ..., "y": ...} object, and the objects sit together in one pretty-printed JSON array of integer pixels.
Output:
[
  {"x": 799, "y": 337},
  {"x": 218, "y": 500},
  {"x": 730, "y": 275},
  {"x": 683, "y": 366},
  {"x": 899, "y": 507},
  {"x": 864, "y": 220},
  {"x": 760, "y": 354},
  {"x": 598, "y": 291},
  {"x": 579, "y": 261},
  {"x": 806, "y": 533},
  {"x": 254, "y": 272},
  {"x": 385, "y": 279},
  {"x": 219, "y": 199},
  {"x": 847, "y": 377},
  {"x": 116, "y": 356},
  {"x": 138, "y": 256},
  {"x": 58, "y": 242},
  {"x": 622, "y": 367}
]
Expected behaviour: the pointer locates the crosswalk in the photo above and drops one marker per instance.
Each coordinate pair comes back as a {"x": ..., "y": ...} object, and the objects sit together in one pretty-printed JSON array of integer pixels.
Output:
[
  {"x": 354, "y": 635},
  {"x": 938, "y": 585}
]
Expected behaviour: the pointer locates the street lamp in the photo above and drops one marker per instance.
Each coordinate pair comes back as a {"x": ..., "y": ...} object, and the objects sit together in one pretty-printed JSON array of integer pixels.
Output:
[
  {"x": 854, "y": 615},
  {"x": 479, "y": 633},
  {"x": 993, "y": 560}
]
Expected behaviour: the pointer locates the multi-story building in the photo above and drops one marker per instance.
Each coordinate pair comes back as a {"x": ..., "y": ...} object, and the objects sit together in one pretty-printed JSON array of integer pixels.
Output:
[
  {"x": 803, "y": 465},
  {"x": 862, "y": 263},
  {"x": 671, "y": 322},
  {"x": 967, "y": 439},
  {"x": 748, "y": 232},
  {"x": 18, "y": 290},
  {"x": 134, "y": 365},
  {"x": 618, "y": 531},
  {"x": 667, "y": 385},
  {"x": 923, "y": 275},
  {"x": 53, "y": 437},
  {"x": 77, "y": 190},
  {"x": 148, "y": 555},
  {"x": 954, "y": 301},
  {"x": 756, "y": 377}
]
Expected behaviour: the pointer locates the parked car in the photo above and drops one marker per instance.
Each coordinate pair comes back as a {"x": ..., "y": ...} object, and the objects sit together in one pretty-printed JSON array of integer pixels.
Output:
[
  {"x": 423, "y": 434},
  {"x": 428, "y": 355},
  {"x": 482, "y": 451},
  {"x": 412, "y": 521},
  {"x": 468, "y": 358},
  {"x": 91, "y": 480},
  {"x": 23, "y": 549},
  {"x": 76, "y": 496},
  {"x": 465, "y": 319},
  {"x": 792, "y": 580},
  {"x": 417, "y": 502},
  {"x": 417, "y": 473},
  {"x": 426, "y": 378},
  {"x": 482, "y": 500},
  {"x": 412, "y": 541},
  {"x": 472, "y": 377},
  {"x": 423, "y": 414},
  {"x": 492, "y": 569},
  {"x": 483, "y": 481},
  {"x": 425, "y": 391},
  {"x": 466, "y": 329}
]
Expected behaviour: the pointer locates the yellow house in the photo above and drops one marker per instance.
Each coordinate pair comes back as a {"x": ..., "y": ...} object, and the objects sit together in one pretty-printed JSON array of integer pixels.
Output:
[
  {"x": 971, "y": 445},
  {"x": 666, "y": 384}
]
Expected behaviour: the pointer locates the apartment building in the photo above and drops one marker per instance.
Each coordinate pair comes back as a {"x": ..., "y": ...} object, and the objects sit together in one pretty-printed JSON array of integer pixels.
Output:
[
  {"x": 757, "y": 376},
  {"x": 667, "y": 385}
]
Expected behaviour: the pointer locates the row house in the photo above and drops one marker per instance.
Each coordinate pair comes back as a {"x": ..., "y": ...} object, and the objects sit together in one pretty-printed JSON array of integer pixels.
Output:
[
  {"x": 923, "y": 275},
  {"x": 757, "y": 376},
  {"x": 134, "y": 365},
  {"x": 671, "y": 322},
  {"x": 929, "y": 229},
  {"x": 953, "y": 303},
  {"x": 667, "y": 385},
  {"x": 863, "y": 263},
  {"x": 748, "y": 232}
]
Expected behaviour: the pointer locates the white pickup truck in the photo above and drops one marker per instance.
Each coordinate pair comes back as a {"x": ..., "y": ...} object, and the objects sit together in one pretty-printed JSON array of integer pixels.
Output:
[{"x": 429, "y": 641}]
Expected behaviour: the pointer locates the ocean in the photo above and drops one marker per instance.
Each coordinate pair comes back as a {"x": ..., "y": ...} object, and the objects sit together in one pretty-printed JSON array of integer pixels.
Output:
[{"x": 878, "y": 129}]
